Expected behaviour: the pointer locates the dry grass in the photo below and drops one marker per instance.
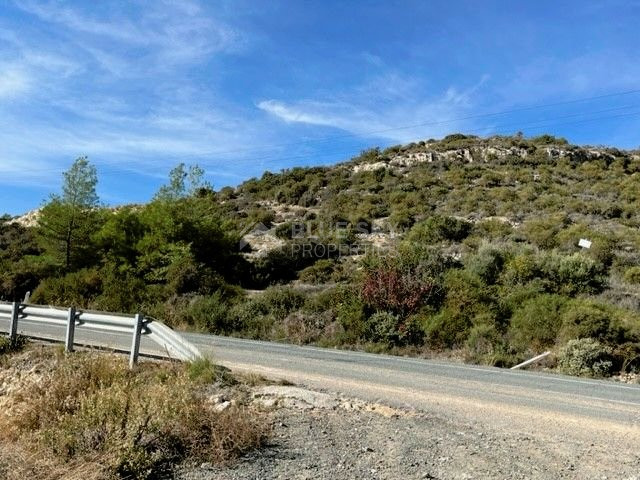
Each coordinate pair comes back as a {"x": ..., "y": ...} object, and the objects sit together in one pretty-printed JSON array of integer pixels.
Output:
[
  {"x": 91, "y": 417},
  {"x": 17, "y": 463}
]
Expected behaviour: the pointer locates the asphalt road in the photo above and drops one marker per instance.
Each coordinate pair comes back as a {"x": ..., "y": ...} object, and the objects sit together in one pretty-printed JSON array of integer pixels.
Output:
[{"x": 517, "y": 400}]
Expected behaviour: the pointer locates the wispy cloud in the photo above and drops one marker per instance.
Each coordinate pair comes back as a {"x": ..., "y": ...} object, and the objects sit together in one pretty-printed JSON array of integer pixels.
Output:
[
  {"x": 140, "y": 86},
  {"x": 372, "y": 59},
  {"x": 115, "y": 86},
  {"x": 391, "y": 106},
  {"x": 13, "y": 81},
  {"x": 165, "y": 33},
  {"x": 547, "y": 77}
]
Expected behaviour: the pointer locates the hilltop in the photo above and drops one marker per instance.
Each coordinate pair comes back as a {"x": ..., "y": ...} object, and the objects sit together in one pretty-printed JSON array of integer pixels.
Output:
[{"x": 464, "y": 247}]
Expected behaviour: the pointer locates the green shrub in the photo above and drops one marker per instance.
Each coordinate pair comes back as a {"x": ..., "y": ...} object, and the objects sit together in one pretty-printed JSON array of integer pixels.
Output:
[
  {"x": 486, "y": 263},
  {"x": 284, "y": 263},
  {"x": 251, "y": 318},
  {"x": 467, "y": 293},
  {"x": 183, "y": 274},
  {"x": 585, "y": 357},
  {"x": 548, "y": 140},
  {"x": 536, "y": 324},
  {"x": 263, "y": 216},
  {"x": 204, "y": 371},
  {"x": 77, "y": 288},
  {"x": 122, "y": 291},
  {"x": 209, "y": 314},
  {"x": 602, "y": 243},
  {"x": 521, "y": 269},
  {"x": 574, "y": 274},
  {"x": 281, "y": 301},
  {"x": 383, "y": 327},
  {"x": 17, "y": 277},
  {"x": 632, "y": 275},
  {"x": 483, "y": 344},
  {"x": 466, "y": 299},
  {"x": 424, "y": 260},
  {"x": 322, "y": 301},
  {"x": 543, "y": 231},
  {"x": 318, "y": 273},
  {"x": 564, "y": 274},
  {"x": 6, "y": 346},
  {"x": 285, "y": 230},
  {"x": 512, "y": 296},
  {"x": 587, "y": 319},
  {"x": 350, "y": 314},
  {"x": 448, "y": 328},
  {"x": 492, "y": 229},
  {"x": 401, "y": 220},
  {"x": 438, "y": 229}
]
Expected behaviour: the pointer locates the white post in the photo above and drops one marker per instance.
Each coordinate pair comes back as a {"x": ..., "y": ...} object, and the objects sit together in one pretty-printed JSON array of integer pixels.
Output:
[
  {"x": 135, "y": 342},
  {"x": 71, "y": 328},
  {"x": 530, "y": 361},
  {"x": 13, "y": 326}
]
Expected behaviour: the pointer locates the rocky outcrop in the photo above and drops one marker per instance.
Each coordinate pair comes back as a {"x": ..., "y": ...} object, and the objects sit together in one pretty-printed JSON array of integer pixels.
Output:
[
  {"x": 29, "y": 219},
  {"x": 487, "y": 154}
]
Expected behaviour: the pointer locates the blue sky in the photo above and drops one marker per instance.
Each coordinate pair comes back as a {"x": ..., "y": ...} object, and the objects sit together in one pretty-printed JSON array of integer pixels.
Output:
[{"x": 240, "y": 87}]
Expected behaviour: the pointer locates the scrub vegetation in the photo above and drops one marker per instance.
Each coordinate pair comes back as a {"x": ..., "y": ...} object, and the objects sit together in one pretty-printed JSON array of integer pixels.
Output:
[
  {"x": 87, "y": 416},
  {"x": 464, "y": 246}
]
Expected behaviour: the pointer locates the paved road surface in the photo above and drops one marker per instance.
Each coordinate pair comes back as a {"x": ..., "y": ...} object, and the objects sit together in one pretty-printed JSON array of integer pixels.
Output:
[{"x": 536, "y": 403}]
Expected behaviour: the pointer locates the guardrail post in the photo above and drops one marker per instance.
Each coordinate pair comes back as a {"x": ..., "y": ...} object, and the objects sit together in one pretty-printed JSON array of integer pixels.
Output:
[
  {"x": 71, "y": 329},
  {"x": 135, "y": 343},
  {"x": 13, "y": 326}
]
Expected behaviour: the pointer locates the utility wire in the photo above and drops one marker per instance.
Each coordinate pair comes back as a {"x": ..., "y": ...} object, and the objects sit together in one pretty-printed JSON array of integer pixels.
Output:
[
  {"x": 421, "y": 124},
  {"x": 331, "y": 153},
  {"x": 494, "y": 129}
]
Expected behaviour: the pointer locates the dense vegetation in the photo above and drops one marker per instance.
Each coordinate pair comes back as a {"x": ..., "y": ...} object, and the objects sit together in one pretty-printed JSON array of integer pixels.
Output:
[{"x": 464, "y": 244}]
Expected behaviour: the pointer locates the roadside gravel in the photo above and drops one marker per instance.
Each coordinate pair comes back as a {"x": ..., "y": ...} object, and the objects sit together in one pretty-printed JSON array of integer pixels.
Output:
[{"x": 322, "y": 436}]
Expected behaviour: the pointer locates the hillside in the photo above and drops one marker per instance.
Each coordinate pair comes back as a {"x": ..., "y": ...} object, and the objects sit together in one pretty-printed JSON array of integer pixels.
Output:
[{"x": 464, "y": 246}]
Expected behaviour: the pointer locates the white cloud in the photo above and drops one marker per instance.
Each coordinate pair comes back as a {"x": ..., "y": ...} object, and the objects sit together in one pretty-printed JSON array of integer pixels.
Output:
[
  {"x": 114, "y": 86},
  {"x": 372, "y": 59},
  {"x": 171, "y": 32},
  {"x": 390, "y": 106},
  {"x": 51, "y": 62},
  {"x": 14, "y": 81}
]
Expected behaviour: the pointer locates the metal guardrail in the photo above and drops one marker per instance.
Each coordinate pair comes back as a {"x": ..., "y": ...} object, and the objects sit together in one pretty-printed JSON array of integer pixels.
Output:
[{"x": 173, "y": 345}]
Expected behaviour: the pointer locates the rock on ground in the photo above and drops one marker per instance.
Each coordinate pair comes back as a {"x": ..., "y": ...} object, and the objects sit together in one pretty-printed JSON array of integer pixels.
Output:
[{"x": 322, "y": 436}]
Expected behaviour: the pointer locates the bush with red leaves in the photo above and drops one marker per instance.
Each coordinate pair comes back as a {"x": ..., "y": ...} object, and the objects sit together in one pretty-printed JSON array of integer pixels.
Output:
[{"x": 388, "y": 288}]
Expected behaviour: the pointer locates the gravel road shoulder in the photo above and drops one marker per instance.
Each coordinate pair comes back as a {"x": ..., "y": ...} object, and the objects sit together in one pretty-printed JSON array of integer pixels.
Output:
[{"x": 323, "y": 436}]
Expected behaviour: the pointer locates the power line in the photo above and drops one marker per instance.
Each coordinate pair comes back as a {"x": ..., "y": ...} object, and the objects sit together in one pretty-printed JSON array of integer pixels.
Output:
[
  {"x": 416, "y": 125},
  {"x": 331, "y": 154},
  {"x": 496, "y": 128}
]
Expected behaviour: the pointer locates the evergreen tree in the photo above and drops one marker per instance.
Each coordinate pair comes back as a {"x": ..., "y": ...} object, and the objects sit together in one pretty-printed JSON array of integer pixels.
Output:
[{"x": 68, "y": 220}]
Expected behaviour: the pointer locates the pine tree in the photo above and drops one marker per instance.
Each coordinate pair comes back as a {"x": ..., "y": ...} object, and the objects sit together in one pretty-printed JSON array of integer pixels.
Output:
[{"x": 68, "y": 220}]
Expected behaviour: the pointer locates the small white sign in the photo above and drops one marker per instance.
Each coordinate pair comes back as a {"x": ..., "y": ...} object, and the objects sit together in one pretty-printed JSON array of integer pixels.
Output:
[{"x": 584, "y": 243}]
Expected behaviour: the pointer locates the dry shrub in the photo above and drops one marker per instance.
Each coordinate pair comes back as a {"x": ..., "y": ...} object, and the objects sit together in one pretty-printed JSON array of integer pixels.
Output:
[
  {"x": 136, "y": 424},
  {"x": 303, "y": 328},
  {"x": 18, "y": 463}
]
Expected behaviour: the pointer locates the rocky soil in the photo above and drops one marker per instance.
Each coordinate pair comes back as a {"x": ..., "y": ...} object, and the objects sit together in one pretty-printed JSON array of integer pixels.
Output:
[{"x": 323, "y": 436}]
